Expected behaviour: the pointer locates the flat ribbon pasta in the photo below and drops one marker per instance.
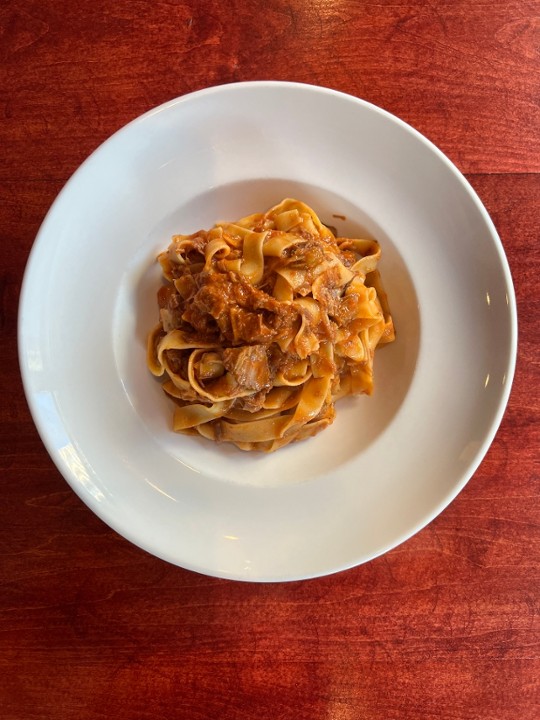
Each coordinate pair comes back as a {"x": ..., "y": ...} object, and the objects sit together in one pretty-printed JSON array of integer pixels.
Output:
[{"x": 264, "y": 323}]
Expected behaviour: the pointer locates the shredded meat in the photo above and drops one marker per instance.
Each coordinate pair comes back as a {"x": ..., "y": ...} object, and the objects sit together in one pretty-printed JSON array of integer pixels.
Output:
[
  {"x": 249, "y": 366},
  {"x": 232, "y": 311},
  {"x": 252, "y": 403},
  {"x": 327, "y": 291}
]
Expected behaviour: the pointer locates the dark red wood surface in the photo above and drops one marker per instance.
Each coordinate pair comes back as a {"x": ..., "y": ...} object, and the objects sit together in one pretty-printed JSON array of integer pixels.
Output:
[{"x": 445, "y": 626}]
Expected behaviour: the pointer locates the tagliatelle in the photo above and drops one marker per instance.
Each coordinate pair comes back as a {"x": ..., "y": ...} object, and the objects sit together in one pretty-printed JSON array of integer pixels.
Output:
[{"x": 264, "y": 324}]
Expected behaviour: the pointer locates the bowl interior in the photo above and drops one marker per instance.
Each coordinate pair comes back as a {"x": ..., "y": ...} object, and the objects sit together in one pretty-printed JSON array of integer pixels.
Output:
[{"x": 359, "y": 421}]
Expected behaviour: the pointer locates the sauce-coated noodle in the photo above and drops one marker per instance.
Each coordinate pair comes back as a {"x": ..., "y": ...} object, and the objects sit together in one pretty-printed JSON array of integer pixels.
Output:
[{"x": 264, "y": 324}]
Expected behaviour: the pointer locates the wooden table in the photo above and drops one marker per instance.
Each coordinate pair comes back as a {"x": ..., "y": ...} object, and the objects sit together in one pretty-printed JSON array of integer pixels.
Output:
[{"x": 444, "y": 626}]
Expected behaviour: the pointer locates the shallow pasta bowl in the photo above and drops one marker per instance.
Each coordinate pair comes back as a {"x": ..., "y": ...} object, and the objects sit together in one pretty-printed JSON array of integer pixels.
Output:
[{"x": 390, "y": 462}]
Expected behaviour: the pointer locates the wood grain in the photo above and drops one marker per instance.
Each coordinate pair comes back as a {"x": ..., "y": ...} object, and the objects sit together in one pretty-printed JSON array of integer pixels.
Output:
[
  {"x": 445, "y": 626},
  {"x": 466, "y": 75}
]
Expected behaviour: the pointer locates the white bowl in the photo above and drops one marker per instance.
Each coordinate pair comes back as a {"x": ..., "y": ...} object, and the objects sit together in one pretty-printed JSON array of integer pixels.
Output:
[{"x": 391, "y": 462}]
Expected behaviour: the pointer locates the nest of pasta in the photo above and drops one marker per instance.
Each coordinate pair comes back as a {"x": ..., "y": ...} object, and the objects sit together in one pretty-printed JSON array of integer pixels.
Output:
[{"x": 264, "y": 324}]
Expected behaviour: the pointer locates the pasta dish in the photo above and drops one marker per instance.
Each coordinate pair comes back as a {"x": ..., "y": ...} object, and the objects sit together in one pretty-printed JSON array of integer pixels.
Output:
[{"x": 264, "y": 324}]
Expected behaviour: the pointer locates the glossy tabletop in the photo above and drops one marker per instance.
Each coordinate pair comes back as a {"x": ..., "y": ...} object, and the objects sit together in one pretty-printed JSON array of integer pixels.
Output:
[{"x": 444, "y": 626}]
